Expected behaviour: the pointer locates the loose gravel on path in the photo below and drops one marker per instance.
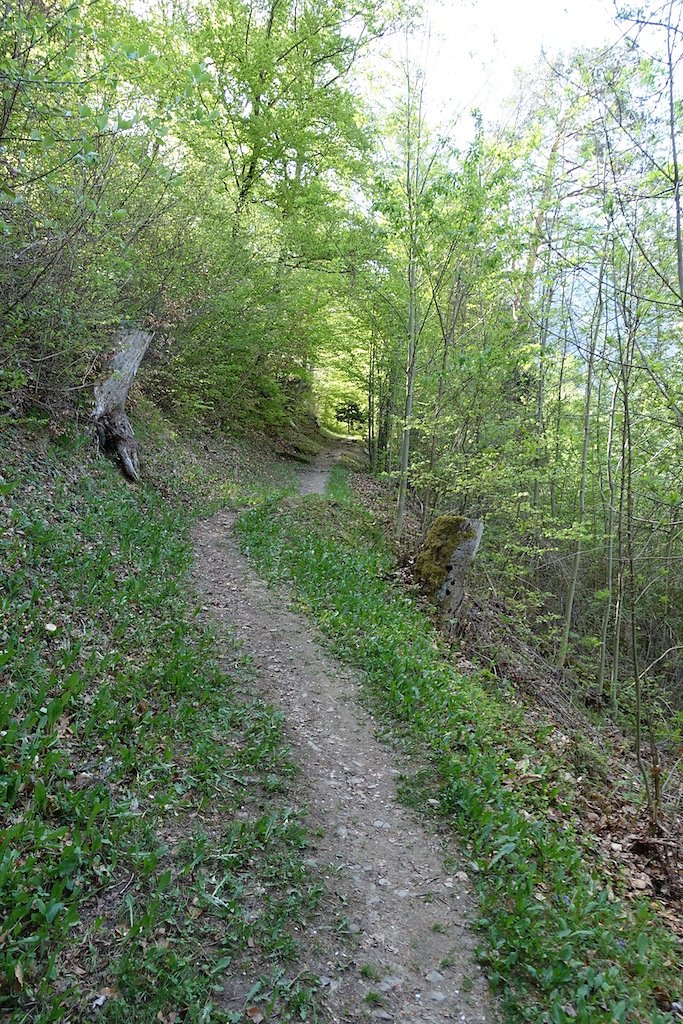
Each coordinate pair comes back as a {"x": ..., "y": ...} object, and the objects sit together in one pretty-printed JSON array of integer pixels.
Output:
[{"x": 410, "y": 955}]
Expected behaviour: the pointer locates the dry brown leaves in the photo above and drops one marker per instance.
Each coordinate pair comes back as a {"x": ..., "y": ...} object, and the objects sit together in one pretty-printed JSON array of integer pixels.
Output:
[{"x": 644, "y": 865}]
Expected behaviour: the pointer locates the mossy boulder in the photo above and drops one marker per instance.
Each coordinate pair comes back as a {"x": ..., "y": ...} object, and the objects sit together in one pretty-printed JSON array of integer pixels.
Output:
[
  {"x": 447, "y": 553},
  {"x": 434, "y": 560}
]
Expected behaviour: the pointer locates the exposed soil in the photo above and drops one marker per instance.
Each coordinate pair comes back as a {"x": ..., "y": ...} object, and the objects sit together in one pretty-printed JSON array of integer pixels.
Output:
[
  {"x": 393, "y": 940},
  {"x": 313, "y": 479}
]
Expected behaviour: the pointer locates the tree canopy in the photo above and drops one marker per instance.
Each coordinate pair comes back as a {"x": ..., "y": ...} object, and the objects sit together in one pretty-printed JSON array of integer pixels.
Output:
[{"x": 505, "y": 318}]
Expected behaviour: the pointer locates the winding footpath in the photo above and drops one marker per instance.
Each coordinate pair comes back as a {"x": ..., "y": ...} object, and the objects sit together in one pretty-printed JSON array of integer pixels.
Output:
[
  {"x": 313, "y": 479},
  {"x": 409, "y": 957}
]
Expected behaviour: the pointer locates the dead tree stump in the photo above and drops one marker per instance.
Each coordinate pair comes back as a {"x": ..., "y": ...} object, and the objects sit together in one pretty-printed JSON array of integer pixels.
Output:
[
  {"x": 446, "y": 556},
  {"x": 114, "y": 431}
]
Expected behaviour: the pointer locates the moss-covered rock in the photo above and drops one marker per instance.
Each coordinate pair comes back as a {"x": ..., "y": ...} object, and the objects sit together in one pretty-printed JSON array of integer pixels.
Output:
[{"x": 434, "y": 561}]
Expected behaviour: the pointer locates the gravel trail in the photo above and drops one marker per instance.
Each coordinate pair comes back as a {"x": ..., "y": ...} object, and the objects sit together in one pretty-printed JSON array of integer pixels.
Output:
[
  {"x": 313, "y": 478},
  {"x": 410, "y": 956}
]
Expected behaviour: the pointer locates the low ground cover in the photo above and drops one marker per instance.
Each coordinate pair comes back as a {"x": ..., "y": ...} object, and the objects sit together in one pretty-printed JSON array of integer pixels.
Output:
[
  {"x": 560, "y": 943},
  {"x": 150, "y": 866}
]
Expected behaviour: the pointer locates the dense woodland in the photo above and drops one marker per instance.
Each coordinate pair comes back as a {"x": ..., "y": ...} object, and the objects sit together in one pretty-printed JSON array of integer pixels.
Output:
[
  {"x": 506, "y": 316},
  {"x": 258, "y": 186}
]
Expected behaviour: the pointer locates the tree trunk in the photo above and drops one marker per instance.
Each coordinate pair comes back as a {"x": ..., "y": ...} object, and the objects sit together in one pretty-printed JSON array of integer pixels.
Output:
[
  {"x": 576, "y": 565},
  {"x": 607, "y": 613},
  {"x": 114, "y": 431},
  {"x": 410, "y": 390}
]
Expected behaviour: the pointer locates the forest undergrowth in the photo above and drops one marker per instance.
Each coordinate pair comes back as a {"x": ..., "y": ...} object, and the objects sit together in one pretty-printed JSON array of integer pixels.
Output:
[
  {"x": 561, "y": 940},
  {"x": 501, "y": 647},
  {"x": 151, "y": 869}
]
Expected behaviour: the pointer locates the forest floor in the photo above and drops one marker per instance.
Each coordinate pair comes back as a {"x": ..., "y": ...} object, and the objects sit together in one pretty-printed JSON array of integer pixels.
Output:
[
  {"x": 402, "y": 891},
  {"x": 179, "y": 849},
  {"x": 562, "y": 944}
]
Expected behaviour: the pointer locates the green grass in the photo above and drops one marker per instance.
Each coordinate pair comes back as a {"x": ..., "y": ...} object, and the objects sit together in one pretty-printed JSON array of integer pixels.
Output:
[
  {"x": 370, "y": 972},
  {"x": 374, "y": 998},
  {"x": 150, "y": 864},
  {"x": 559, "y": 945}
]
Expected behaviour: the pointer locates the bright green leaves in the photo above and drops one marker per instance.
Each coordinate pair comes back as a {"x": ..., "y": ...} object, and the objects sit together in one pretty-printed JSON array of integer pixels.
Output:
[
  {"x": 136, "y": 51},
  {"x": 152, "y": 141},
  {"x": 198, "y": 74},
  {"x": 272, "y": 79}
]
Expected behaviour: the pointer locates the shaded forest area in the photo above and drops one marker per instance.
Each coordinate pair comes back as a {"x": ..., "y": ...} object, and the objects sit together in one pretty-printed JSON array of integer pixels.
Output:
[
  {"x": 506, "y": 317},
  {"x": 509, "y": 316}
]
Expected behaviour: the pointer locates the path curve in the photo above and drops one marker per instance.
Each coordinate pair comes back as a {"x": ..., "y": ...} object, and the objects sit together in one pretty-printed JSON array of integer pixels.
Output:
[
  {"x": 313, "y": 478},
  {"x": 412, "y": 955}
]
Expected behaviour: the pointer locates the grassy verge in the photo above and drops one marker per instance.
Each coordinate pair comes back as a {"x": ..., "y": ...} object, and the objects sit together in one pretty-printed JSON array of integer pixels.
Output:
[
  {"x": 150, "y": 867},
  {"x": 560, "y": 946}
]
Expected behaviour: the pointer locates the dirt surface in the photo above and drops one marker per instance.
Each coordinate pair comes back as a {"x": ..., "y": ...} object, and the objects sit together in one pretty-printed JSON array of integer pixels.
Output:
[
  {"x": 313, "y": 479},
  {"x": 393, "y": 940}
]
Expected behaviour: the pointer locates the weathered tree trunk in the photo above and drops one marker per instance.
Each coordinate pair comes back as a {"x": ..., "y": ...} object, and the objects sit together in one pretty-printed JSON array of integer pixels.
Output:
[
  {"x": 448, "y": 552},
  {"x": 114, "y": 431},
  {"x": 576, "y": 563}
]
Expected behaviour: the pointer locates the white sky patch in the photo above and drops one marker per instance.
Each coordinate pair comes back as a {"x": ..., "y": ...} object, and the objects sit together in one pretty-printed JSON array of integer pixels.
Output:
[{"x": 472, "y": 48}]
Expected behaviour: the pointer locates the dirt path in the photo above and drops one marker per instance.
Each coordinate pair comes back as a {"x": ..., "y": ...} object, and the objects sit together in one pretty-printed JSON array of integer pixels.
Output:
[
  {"x": 411, "y": 955},
  {"x": 313, "y": 479}
]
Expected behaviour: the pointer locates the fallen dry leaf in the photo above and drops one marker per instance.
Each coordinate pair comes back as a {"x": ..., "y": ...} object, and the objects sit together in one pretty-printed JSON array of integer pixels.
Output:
[{"x": 102, "y": 996}]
